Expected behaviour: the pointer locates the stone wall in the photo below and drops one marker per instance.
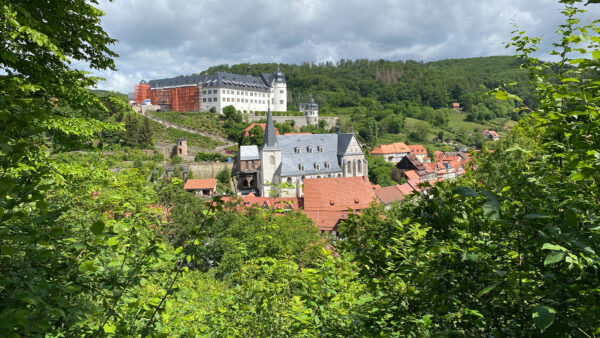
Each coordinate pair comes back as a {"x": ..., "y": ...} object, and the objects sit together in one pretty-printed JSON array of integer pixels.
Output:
[
  {"x": 209, "y": 169},
  {"x": 300, "y": 121}
]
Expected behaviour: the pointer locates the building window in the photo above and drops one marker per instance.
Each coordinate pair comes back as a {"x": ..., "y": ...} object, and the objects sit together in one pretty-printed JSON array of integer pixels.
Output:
[
  {"x": 204, "y": 92},
  {"x": 272, "y": 159},
  {"x": 301, "y": 167},
  {"x": 327, "y": 165},
  {"x": 203, "y": 99},
  {"x": 281, "y": 91},
  {"x": 309, "y": 149},
  {"x": 317, "y": 166},
  {"x": 320, "y": 149},
  {"x": 359, "y": 166},
  {"x": 210, "y": 99},
  {"x": 215, "y": 91},
  {"x": 280, "y": 101},
  {"x": 349, "y": 164},
  {"x": 289, "y": 180}
]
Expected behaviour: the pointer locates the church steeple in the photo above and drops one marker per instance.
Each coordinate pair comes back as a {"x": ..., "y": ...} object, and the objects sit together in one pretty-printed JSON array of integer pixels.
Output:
[{"x": 270, "y": 137}]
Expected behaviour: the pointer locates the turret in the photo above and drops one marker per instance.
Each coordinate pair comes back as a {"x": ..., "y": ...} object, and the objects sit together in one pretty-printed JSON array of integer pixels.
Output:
[{"x": 279, "y": 91}]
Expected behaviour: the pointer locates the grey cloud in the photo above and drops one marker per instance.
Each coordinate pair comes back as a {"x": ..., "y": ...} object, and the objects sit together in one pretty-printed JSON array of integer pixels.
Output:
[{"x": 159, "y": 38}]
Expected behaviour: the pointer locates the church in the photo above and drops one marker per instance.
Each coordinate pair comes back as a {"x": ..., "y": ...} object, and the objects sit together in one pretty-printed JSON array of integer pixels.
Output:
[
  {"x": 287, "y": 160},
  {"x": 247, "y": 93}
]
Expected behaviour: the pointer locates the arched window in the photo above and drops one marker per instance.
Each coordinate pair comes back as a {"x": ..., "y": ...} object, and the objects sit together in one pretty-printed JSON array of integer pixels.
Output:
[
  {"x": 359, "y": 166},
  {"x": 349, "y": 165},
  {"x": 272, "y": 159}
]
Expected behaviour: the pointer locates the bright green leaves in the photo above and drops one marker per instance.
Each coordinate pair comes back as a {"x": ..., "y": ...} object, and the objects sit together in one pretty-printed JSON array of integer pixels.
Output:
[
  {"x": 543, "y": 316},
  {"x": 554, "y": 257},
  {"x": 88, "y": 266},
  {"x": 97, "y": 227}
]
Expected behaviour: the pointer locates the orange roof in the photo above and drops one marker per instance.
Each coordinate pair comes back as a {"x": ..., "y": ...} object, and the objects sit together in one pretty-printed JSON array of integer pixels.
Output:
[
  {"x": 417, "y": 149},
  {"x": 455, "y": 105},
  {"x": 327, "y": 220},
  {"x": 405, "y": 189},
  {"x": 430, "y": 167},
  {"x": 490, "y": 132},
  {"x": 246, "y": 131},
  {"x": 200, "y": 184},
  {"x": 391, "y": 194},
  {"x": 376, "y": 186},
  {"x": 394, "y": 148},
  {"x": 414, "y": 184},
  {"x": 411, "y": 175},
  {"x": 337, "y": 193}
]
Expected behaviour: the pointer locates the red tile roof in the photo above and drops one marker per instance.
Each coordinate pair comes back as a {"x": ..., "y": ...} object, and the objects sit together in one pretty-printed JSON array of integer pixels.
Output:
[
  {"x": 200, "y": 184},
  {"x": 417, "y": 149},
  {"x": 491, "y": 133},
  {"x": 327, "y": 220},
  {"x": 405, "y": 189},
  {"x": 394, "y": 148},
  {"x": 411, "y": 175},
  {"x": 391, "y": 194},
  {"x": 262, "y": 125}
]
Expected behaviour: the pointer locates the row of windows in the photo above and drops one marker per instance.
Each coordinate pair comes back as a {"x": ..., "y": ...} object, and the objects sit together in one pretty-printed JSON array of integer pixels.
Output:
[
  {"x": 317, "y": 166},
  {"x": 227, "y": 99},
  {"x": 231, "y": 91},
  {"x": 309, "y": 149}
]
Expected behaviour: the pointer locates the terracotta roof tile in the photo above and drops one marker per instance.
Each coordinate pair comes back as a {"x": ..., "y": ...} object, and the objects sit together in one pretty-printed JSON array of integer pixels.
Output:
[
  {"x": 200, "y": 184},
  {"x": 337, "y": 193},
  {"x": 394, "y": 148},
  {"x": 411, "y": 175},
  {"x": 388, "y": 195},
  {"x": 417, "y": 149}
]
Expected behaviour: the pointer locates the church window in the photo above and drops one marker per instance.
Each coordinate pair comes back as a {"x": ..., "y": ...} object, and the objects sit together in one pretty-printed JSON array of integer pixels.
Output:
[
  {"x": 272, "y": 159},
  {"x": 359, "y": 166},
  {"x": 349, "y": 164}
]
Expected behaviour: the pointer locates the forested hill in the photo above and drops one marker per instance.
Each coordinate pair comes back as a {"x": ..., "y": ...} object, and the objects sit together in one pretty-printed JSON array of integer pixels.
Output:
[{"x": 434, "y": 84}]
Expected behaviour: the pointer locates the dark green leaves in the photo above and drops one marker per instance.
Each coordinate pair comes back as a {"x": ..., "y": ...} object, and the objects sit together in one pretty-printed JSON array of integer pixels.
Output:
[
  {"x": 97, "y": 227},
  {"x": 543, "y": 317},
  {"x": 465, "y": 191}
]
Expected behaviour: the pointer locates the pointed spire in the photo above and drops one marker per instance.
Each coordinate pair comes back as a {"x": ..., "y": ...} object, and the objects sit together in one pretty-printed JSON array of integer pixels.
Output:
[{"x": 270, "y": 137}]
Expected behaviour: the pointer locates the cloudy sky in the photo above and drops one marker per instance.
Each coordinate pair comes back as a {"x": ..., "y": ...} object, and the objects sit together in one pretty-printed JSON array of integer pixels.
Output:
[{"x": 164, "y": 38}]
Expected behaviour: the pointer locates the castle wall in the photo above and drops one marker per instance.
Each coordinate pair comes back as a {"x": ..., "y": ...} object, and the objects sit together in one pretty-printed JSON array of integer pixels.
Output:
[{"x": 300, "y": 121}]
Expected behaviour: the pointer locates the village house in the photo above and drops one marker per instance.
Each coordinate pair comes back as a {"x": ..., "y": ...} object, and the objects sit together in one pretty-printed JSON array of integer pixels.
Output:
[
  {"x": 327, "y": 201},
  {"x": 391, "y": 153},
  {"x": 205, "y": 187},
  {"x": 420, "y": 152},
  {"x": 490, "y": 134}
]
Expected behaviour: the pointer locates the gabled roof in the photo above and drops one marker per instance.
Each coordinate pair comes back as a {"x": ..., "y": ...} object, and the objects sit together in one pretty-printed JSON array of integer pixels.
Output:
[
  {"x": 220, "y": 79},
  {"x": 327, "y": 220},
  {"x": 200, "y": 184},
  {"x": 292, "y": 159},
  {"x": 410, "y": 161},
  {"x": 339, "y": 193},
  {"x": 417, "y": 149},
  {"x": 343, "y": 141},
  {"x": 388, "y": 195},
  {"x": 394, "y": 148},
  {"x": 412, "y": 175}
]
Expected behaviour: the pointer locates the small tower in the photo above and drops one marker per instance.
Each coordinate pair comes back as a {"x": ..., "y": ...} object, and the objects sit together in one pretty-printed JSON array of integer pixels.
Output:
[
  {"x": 279, "y": 91},
  {"x": 182, "y": 148},
  {"x": 311, "y": 112}
]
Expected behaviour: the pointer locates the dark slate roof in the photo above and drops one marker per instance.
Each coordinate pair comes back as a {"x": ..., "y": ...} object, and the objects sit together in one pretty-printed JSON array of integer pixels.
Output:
[
  {"x": 310, "y": 105},
  {"x": 220, "y": 79},
  {"x": 291, "y": 161},
  {"x": 269, "y": 139},
  {"x": 344, "y": 142},
  {"x": 278, "y": 76}
]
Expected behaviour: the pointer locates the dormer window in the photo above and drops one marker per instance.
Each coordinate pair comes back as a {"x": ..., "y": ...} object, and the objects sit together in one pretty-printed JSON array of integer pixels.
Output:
[
  {"x": 317, "y": 166},
  {"x": 301, "y": 167},
  {"x": 327, "y": 165},
  {"x": 297, "y": 150},
  {"x": 309, "y": 149},
  {"x": 320, "y": 149}
]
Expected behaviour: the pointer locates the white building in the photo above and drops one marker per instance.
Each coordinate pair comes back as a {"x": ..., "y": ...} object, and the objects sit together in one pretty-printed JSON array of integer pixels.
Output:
[
  {"x": 311, "y": 112},
  {"x": 286, "y": 160},
  {"x": 247, "y": 93}
]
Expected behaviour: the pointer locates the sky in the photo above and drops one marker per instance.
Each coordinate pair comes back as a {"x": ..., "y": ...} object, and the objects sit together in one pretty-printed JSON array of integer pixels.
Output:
[{"x": 166, "y": 38}]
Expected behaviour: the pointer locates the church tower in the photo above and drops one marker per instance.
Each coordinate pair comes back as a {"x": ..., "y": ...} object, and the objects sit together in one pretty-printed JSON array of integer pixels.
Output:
[
  {"x": 270, "y": 160},
  {"x": 279, "y": 91}
]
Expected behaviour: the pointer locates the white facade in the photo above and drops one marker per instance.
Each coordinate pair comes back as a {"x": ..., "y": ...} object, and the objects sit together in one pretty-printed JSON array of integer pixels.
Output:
[{"x": 244, "y": 100}]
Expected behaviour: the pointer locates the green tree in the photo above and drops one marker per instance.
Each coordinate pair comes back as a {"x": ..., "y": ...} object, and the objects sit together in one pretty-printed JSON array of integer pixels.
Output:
[{"x": 145, "y": 134}]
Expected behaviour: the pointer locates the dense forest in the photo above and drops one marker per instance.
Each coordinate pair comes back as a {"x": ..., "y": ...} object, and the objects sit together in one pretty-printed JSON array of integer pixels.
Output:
[{"x": 509, "y": 249}]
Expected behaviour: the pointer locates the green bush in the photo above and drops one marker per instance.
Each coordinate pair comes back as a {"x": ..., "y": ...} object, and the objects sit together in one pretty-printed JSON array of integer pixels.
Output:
[{"x": 206, "y": 157}]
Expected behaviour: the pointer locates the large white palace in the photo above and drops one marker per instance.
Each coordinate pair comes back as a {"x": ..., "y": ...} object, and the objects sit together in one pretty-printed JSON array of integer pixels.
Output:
[{"x": 247, "y": 93}]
